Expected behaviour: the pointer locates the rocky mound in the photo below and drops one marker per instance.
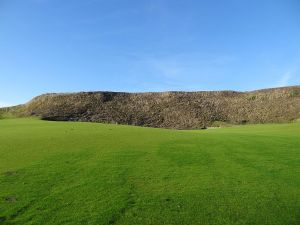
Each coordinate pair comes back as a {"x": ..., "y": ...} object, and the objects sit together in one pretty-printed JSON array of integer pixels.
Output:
[{"x": 180, "y": 110}]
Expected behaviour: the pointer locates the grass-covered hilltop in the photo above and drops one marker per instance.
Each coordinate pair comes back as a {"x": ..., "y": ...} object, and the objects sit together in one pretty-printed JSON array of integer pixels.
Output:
[
  {"x": 180, "y": 110},
  {"x": 88, "y": 173}
]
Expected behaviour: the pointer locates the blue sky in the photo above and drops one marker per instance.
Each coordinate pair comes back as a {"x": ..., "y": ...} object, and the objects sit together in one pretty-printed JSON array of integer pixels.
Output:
[{"x": 154, "y": 45}]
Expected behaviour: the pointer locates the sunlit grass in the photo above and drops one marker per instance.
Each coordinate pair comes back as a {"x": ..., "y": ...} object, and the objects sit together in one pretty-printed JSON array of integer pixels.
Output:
[{"x": 88, "y": 173}]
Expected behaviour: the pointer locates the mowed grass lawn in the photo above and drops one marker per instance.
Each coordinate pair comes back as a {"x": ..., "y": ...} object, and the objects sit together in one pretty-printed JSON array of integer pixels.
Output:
[{"x": 87, "y": 173}]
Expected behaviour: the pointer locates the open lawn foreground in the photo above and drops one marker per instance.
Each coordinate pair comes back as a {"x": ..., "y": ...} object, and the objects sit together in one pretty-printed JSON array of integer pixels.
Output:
[{"x": 89, "y": 173}]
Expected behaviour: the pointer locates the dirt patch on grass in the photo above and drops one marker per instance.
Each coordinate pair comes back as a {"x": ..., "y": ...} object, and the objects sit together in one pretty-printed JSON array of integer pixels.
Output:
[
  {"x": 10, "y": 173},
  {"x": 10, "y": 199}
]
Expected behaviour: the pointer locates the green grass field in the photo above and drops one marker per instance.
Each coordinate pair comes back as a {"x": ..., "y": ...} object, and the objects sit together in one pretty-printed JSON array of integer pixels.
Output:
[{"x": 87, "y": 173}]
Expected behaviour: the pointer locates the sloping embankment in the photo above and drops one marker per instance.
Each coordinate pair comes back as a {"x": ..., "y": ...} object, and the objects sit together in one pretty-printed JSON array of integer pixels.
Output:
[{"x": 180, "y": 110}]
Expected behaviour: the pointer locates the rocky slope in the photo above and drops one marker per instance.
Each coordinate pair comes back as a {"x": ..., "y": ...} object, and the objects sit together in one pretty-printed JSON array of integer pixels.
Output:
[{"x": 180, "y": 110}]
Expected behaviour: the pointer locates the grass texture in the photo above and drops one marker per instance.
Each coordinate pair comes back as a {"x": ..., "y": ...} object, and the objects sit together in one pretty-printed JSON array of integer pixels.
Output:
[{"x": 88, "y": 173}]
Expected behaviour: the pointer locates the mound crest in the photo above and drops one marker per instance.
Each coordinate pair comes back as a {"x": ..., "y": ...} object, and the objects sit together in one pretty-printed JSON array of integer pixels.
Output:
[{"x": 179, "y": 110}]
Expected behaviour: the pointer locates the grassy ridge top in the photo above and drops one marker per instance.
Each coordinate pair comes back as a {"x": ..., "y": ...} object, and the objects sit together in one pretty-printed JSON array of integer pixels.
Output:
[
  {"x": 180, "y": 110},
  {"x": 87, "y": 173}
]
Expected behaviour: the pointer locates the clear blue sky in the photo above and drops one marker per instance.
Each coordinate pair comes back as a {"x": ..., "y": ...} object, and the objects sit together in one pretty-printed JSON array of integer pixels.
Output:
[{"x": 154, "y": 45}]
